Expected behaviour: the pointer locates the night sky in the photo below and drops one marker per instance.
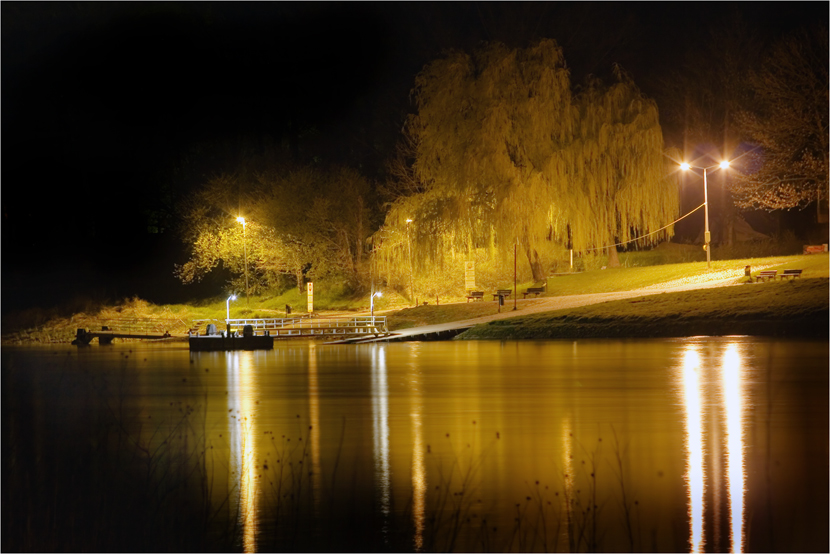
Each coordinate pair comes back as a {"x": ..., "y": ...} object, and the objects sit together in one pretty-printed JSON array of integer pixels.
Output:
[{"x": 105, "y": 106}]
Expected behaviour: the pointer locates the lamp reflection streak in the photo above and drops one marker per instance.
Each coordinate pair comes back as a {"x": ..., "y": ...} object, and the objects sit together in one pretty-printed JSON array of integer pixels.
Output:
[
  {"x": 568, "y": 480},
  {"x": 243, "y": 449},
  {"x": 732, "y": 393},
  {"x": 694, "y": 448},
  {"x": 419, "y": 473},
  {"x": 380, "y": 418},
  {"x": 314, "y": 415}
]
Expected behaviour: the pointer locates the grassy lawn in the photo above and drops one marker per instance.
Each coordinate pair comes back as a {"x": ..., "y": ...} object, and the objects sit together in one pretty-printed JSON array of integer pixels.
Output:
[
  {"x": 629, "y": 278},
  {"x": 788, "y": 308},
  {"x": 444, "y": 313}
]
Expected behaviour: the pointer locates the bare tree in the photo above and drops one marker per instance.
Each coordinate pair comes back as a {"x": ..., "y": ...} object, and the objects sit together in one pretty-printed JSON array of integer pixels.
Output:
[{"x": 788, "y": 126}]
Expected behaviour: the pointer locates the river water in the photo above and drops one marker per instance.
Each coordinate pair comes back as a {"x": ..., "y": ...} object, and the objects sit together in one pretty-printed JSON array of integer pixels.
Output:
[{"x": 695, "y": 444}]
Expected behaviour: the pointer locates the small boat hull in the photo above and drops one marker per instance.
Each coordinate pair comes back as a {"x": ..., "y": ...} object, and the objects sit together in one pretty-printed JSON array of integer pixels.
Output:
[{"x": 218, "y": 342}]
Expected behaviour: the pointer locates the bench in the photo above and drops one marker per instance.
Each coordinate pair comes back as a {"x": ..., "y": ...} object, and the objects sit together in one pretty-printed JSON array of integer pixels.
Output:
[
  {"x": 534, "y": 290},
  {"x": 475, "y": 295},
  {"x": 767, "y": 274},
  {"x": 791, "y": 273},
  {"x": 502, "y": 292}
]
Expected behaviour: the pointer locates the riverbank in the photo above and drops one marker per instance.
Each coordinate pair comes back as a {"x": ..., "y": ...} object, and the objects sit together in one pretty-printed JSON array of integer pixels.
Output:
[
  {"x": 799, "y": 308},
  {"x": 760, "y": 313}
]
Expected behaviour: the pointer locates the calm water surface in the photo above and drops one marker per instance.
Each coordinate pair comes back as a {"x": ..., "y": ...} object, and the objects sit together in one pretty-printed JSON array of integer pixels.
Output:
[{"x": 699, "y": 444}]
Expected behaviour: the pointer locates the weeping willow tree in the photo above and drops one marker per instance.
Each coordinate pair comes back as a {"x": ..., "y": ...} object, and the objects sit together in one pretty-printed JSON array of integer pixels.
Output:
[
  {"x": 627, "y": 187},
  {"x": 505, "y": 153}
]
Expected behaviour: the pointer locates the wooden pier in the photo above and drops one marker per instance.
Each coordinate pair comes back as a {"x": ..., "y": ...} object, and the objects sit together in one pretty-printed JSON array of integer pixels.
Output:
[
  {"x": 300, "y": 327},
  {"x": 235, "y": 334}
]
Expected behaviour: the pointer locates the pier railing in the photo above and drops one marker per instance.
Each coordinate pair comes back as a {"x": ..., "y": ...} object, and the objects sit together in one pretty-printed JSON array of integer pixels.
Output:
[{"x": 301, "y": 326}]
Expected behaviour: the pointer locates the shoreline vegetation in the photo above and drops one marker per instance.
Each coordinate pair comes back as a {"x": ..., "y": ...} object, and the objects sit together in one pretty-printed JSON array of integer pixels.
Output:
[{"x": 795, "y": 308}]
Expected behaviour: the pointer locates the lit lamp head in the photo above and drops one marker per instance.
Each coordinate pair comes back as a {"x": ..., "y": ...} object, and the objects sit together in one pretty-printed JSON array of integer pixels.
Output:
[
  {"x": 372, "y": 302},
  {"x": 723, "y": 165},
  {"x": 241, "y": 220},
  {"x": 228, "y": 309}
]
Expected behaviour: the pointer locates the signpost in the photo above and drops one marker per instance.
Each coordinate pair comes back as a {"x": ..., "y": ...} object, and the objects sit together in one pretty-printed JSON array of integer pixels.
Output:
[
  {"x": 470, "y": 276},
  {"x": 310, "y": 297}
]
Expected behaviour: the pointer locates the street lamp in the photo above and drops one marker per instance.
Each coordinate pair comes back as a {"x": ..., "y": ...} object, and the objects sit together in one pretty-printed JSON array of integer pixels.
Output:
[
  {"x": 241, "y": 220},
  {"x": 372, "y": 302},
  {"x": 706, "y": 235},
  {"x": 228, "y": 311}
]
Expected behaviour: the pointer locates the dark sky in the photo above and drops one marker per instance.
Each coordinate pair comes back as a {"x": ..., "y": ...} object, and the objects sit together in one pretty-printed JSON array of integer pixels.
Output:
[{"x": 101, "y": 102}]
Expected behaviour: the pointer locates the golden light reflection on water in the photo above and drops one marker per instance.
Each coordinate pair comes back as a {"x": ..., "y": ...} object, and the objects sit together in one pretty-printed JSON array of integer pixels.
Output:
[
  {"x": 380, "y": 427},
  {"x": 314, "y": 416},
  {"x": 568, "y": 479},
  {"x": 683, "y": 452},
  {"x": 733, "y": 401},
  {"x": 733, "y": 405},
  {"x": 243, "y": 446},
  {"x": 694, "y": 447},
  {"x": 419, "y": 472}
]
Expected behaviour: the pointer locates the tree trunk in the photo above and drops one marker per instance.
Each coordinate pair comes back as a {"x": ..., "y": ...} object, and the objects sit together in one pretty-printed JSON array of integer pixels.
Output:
[
  {"x": 535, "y": 264},
  {"x": 613, "y": 259},
  {"x": 359, "y": 239}
]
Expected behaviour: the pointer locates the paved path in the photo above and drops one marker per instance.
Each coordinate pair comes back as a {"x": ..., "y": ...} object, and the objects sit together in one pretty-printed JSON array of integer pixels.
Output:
[{"x": 548, "y": 304}]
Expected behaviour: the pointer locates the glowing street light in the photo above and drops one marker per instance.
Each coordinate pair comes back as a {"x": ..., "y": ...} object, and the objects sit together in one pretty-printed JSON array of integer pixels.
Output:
[
  {"x": 706, "y": 235},
  {"x": 241, "y": 220},
  {"x": 372, "y": 302},
  {"x": 228, "y": 307}
]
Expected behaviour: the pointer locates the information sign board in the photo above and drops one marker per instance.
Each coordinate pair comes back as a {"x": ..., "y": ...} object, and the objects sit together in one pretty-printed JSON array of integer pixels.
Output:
[
  {"x": 470, "y": 275},
  {"x": 310, "y": 297}
]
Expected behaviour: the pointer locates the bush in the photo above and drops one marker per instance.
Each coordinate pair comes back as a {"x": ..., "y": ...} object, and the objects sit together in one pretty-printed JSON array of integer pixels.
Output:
[
  {"x": 663, "y": 253},
  {"x": 785, "y": 244}
]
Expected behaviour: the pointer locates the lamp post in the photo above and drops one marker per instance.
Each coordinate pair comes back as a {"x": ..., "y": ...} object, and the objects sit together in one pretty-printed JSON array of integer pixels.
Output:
[
  {"x": 241, "y": 220},
  {"x": 515, "y": 253},
  {"x": 706, "y": 235},
  {"x": 372, "y": 303},
  {"x": 409, "y": 246},
  {"x": 228, "y": 312}
]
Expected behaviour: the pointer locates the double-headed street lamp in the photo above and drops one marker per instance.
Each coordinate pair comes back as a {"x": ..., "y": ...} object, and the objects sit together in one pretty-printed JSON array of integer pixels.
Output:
[
  {"x": 706, "y": 235},
  {"x": 241, "y": 220}
]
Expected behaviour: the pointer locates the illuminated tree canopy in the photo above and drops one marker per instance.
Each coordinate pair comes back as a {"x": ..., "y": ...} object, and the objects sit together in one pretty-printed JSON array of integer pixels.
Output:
[
  {"x": 503, "y": 151},
  {"x": 788, "y": 125},
  {"x": 304, "y": 222}
]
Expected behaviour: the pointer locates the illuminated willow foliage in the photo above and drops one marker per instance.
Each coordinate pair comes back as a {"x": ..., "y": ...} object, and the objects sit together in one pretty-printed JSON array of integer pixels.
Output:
[{"x": 505, "y": 152}]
